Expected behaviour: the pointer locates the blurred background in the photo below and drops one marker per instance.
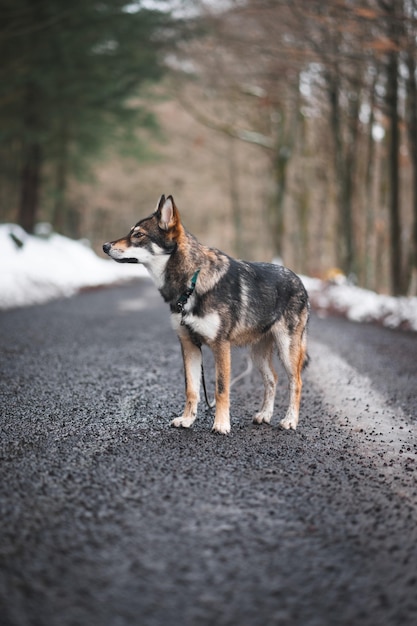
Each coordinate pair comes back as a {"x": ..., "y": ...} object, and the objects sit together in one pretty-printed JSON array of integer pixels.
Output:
[{"x": 283, "y": 128}]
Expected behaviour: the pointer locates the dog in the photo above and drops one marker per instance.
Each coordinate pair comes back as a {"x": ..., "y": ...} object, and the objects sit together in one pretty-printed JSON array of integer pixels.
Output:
[{"x": 221, "y": 302}]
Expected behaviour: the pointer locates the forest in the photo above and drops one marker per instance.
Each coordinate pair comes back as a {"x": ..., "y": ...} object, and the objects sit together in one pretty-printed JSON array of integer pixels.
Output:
[{"x": 290, "y": 124}]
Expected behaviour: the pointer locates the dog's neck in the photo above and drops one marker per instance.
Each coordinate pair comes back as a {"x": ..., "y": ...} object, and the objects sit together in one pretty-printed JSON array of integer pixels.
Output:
[
  {"x": 179, "y": 270},
  {"x": 173, "y": 272},
  {"x": 185, "y": 296},
  {"x": 157, "y": 270}
]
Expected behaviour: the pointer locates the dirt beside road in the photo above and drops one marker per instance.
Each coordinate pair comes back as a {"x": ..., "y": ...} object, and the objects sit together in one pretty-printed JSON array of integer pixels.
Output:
[{"x": 111, "y": 518}]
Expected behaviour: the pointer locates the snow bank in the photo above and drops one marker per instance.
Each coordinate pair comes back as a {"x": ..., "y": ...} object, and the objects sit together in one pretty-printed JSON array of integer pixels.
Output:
[
  {"x": 361, "y": 305},
  {"x": 34, "y": 270}
]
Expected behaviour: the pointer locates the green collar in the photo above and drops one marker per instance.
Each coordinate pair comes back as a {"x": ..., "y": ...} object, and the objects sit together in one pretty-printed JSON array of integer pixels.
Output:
[{"x": 183, "y": 299}]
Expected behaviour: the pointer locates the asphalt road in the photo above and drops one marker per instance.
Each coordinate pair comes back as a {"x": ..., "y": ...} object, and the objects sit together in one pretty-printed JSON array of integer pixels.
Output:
[{"x": 109, "y": 517}]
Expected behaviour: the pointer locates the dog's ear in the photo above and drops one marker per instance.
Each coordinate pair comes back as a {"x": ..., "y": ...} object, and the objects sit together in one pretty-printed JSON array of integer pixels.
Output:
[
  {"x": 160, "y": 204},
  {"x": 167, "y": 213}
]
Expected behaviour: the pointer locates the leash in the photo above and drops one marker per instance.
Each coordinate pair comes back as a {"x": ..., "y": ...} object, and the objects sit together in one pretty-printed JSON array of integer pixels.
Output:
[
  {"x": 247, "y": 371},
  {"x": 211, "y": 404}
]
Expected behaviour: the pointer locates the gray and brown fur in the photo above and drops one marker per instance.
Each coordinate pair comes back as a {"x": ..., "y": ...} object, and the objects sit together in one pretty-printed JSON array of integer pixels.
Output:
[{"x": 234, "y": 303}]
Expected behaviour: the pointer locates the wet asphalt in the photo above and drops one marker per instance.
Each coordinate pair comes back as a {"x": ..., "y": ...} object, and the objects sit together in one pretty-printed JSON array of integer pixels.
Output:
[{"x": 109, "y": 517}]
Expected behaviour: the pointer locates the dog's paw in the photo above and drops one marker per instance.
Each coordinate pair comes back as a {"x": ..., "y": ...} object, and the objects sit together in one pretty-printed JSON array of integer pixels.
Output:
[
  {"x": 184, "y": 422},
  {"x": 262, "y": 418},
  {"x": 221, "y": 427},
  {"x": 289, "y": 422}
]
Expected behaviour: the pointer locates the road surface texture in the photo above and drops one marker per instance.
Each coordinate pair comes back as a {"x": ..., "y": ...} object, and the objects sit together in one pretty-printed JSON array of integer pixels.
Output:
[{"x": 109, "y": 517}]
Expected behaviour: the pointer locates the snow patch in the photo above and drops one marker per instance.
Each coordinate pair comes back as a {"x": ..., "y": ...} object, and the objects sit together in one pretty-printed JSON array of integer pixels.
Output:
[
  {"x": 36, "y": 269},
  {"x": 361, "y": 305}
]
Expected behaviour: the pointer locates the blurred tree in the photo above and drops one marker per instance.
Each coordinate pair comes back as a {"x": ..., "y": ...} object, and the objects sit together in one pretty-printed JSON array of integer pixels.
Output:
[
  {"x": 343, "y": 91},
  {"x": 251, "y": 92},
  {"x": 395, "y": 27},
  {"x": 391, "y": 29},
  {"x": 411, "y": 62},
  {"x": 67, "y": 79},
  {"x": 352, "y": 58}
]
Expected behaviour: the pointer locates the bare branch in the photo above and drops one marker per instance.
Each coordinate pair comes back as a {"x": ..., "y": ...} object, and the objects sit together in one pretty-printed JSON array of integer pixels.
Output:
[{"x": 249, "y": 136}]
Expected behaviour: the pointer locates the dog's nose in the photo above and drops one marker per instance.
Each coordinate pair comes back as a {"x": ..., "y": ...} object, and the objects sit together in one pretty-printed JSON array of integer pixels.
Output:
[{"x": 106, "y": 247}]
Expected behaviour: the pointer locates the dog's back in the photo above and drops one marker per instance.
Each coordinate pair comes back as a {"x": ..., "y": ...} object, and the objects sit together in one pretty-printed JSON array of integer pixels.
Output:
[{"x": 249, "y": 299}]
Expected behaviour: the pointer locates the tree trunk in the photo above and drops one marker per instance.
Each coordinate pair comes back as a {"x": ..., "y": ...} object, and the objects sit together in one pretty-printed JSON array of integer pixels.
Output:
[
  {"x": 59, "y": 217},
  {"x": 345, "y": 245},
  {"x": 279, "y": 167},
  {"x": 369, "y": 261},
  {"x": 31, "y": 160},
  {"x": 285, "y": 133},
  {"x": 394, "y": 175},
  {"x": 234, "y": 199},
  {"x": 29, "y": 186},
  {"x": 348, "y": 184},
  {"x": 412, "y": 134}
]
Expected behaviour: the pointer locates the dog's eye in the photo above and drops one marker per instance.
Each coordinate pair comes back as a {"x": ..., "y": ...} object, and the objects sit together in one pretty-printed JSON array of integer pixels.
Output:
[{"x": 138, "y": 235}]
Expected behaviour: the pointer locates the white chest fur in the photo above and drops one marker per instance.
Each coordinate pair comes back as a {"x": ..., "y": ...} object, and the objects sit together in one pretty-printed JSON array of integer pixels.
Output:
[
  {"x": 156, "y": 266},
  {"x": 206, "y": 326}
]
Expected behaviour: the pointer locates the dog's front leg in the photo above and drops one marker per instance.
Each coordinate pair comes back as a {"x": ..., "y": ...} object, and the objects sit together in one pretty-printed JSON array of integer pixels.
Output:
[
  {"x": 191, "y": 355},
  {"x": 222, "y": 358}
]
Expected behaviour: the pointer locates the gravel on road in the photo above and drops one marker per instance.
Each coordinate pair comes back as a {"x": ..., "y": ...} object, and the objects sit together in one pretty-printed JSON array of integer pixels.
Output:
[{"x": 109, "y": 517}]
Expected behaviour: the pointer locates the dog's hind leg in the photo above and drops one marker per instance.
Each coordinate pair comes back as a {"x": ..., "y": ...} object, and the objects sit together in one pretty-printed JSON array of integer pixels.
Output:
[
  {"x": 222, "y": 357},
  {"x": 191, "y": 355},
  {"x": 292, "y": 349},
  {"x": 261, "y": 354}
]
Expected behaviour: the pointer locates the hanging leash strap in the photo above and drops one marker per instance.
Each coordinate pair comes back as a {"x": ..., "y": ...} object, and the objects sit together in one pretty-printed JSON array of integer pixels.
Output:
[
  {"x": 247, "y": 371},
  {"x": 211, "y": 404}
]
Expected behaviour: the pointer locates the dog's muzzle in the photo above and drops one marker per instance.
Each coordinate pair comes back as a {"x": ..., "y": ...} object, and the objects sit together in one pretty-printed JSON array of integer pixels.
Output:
[{"x": 107, "y": 249}]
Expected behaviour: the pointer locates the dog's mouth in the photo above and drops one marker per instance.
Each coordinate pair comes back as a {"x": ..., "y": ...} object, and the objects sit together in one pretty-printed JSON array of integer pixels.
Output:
[
  {"x": 126, "y": 260},
  {"x": 107, "y": 249}
]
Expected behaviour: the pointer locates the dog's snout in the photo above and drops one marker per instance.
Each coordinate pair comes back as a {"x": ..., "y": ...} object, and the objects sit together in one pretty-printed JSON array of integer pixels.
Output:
[{"x": 106, "y": 247}]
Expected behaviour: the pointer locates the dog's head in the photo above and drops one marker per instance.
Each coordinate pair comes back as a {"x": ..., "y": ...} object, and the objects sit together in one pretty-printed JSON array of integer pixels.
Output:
[{"x": 153, "y": 236}]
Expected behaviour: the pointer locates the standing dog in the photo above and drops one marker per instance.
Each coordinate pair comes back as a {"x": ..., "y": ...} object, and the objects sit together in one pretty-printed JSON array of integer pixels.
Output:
[{"x": 221, "y": 302}]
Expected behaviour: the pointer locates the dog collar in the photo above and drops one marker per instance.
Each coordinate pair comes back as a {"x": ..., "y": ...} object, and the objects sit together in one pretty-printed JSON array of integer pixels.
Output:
[{"x": 183, "y": 299}]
